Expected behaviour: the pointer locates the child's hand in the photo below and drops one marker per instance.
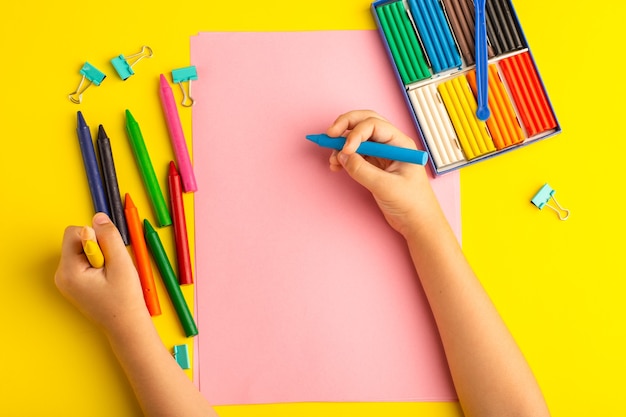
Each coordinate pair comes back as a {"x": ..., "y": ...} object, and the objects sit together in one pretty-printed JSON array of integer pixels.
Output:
[
  {"x": 110, "y": 296},
  {"x": 401, "y": 190}
]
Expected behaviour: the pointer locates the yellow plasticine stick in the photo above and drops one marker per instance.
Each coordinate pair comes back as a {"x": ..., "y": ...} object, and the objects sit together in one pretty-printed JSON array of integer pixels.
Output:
[
  {"x": 457, "y": 96},
  {"x": 495, "y": 123},
  {"x": 462, "y": 110},
  {"x": 469, "y": 105},
  {"x": 93, "y": 253},
  {"x": 446, "y": 95},
  {"x": 483, "y": 136}
]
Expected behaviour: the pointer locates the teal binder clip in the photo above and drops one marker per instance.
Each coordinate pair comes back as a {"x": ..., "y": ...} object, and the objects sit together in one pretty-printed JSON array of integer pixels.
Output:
[
  {"x": 181, "y": 354},
  {"x": 124, "y": 64},
  {"x": 182, "y": 75},
  {"x": 542, "y": 198},
  {"x": 91, "y": 74}
]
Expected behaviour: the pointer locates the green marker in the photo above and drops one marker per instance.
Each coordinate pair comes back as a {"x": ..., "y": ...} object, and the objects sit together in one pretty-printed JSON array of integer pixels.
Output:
[
  {"x": 169, "y": 279},
  {"x": 147, "y": 171}
]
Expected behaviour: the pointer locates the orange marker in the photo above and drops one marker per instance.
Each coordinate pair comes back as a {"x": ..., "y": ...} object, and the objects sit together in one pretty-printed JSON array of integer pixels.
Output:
[{"x": 142, "y": 259}]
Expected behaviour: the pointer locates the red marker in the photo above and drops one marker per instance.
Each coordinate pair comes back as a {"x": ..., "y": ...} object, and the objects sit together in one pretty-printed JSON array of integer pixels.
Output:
[{"x": 185, "y": 275}]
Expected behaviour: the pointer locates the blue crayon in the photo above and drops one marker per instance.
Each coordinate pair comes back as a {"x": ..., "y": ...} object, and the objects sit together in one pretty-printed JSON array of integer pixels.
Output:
[
  {"x": 96, "y": 186},
  {"x": 379, "y": 150}
]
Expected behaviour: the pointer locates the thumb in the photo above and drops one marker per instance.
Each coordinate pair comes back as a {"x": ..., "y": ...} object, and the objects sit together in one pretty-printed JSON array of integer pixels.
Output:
[
  {"x": 360, "y": 170},
  {"x": 108, "y": 237}
]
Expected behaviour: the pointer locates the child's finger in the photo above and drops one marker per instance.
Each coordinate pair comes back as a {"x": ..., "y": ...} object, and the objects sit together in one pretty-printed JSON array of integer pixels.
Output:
[
  {"x": 348, "y": 121},
  {"x": 72, "y": 245},
  {"x": 376, "y": 130},
  {"x": 109, "y": 238},
  {"x": 366, "y": 174}
]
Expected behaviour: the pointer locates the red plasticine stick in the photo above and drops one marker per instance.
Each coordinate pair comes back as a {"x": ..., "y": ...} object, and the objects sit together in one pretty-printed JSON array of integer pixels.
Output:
[
  {"x": 523, "y": 72},
  {"x": 547, "y": 119},
  {"x": 185, "y": 276},
  {"x": 513, "y": 76},
  {"x": 528, "y": 94}
]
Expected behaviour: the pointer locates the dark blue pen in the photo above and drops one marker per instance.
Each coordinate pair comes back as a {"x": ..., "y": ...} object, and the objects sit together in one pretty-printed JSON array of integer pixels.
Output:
[
  {"x": 380, "y": 150},
  {"x": 96, "y": 187}
]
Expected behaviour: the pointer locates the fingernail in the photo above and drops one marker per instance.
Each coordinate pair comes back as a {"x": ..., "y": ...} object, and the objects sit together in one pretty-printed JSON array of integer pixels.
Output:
[
  {"x": 101, "y": 218},
  {"x": 87, "y": 233},
  {"x": 342, "y": 157}
]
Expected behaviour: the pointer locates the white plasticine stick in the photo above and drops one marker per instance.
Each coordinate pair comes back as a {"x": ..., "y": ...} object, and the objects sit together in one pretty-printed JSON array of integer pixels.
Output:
[
  {"x": 421, "y": 111},
  {"x": 445, "y": 126}
]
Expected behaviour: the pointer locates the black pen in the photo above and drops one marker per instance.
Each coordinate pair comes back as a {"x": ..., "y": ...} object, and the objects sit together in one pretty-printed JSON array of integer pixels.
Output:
[{"x": 110, "y": 184}]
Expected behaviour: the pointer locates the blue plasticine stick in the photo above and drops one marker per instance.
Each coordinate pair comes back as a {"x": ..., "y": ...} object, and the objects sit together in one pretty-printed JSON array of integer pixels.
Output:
[
  {"x": 379, "y": 150},
  {"x": 453, "y": 57},
  {"x": 426, "y": 32}
]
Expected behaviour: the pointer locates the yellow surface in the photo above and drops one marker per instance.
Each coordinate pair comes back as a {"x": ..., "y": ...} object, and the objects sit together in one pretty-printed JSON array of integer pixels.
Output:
[{"x": 559, "y": 285}]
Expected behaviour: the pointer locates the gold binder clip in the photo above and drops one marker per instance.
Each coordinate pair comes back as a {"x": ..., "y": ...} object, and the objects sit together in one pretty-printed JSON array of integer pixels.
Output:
[
  {"x": 124, "y": 64},
  {"x": 185, "y": 75},
  {"x": 91, "y": 74}
]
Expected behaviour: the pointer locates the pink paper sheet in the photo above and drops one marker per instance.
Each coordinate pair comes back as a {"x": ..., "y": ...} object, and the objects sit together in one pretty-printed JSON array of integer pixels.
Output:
[{"x": 303, "y": 291}]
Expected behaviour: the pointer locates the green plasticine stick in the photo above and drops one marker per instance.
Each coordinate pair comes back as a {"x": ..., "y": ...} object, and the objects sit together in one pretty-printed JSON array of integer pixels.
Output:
[
  {"x": 421, "y": 67},
  {"x": 391, "y": 21},
  {"x": 392, "y": 45}
]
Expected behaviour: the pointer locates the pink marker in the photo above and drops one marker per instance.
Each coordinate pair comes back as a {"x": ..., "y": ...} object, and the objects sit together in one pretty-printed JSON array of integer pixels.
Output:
[{"x": 177, "y": 136}]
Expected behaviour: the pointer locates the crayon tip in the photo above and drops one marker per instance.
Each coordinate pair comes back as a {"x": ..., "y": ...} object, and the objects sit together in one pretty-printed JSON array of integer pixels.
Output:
[
  {"x": 129, "y": 117},
  {"x": 313, "y": 138},
  {"x": 173, "y": 171},
  {"x": 148, "y": 227},
  {"x": 128, "y": 202},
  {"x": 101, "y": 133},
  {"x": 163, "y": 80},
  {"x": 80, "y": 119}
]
